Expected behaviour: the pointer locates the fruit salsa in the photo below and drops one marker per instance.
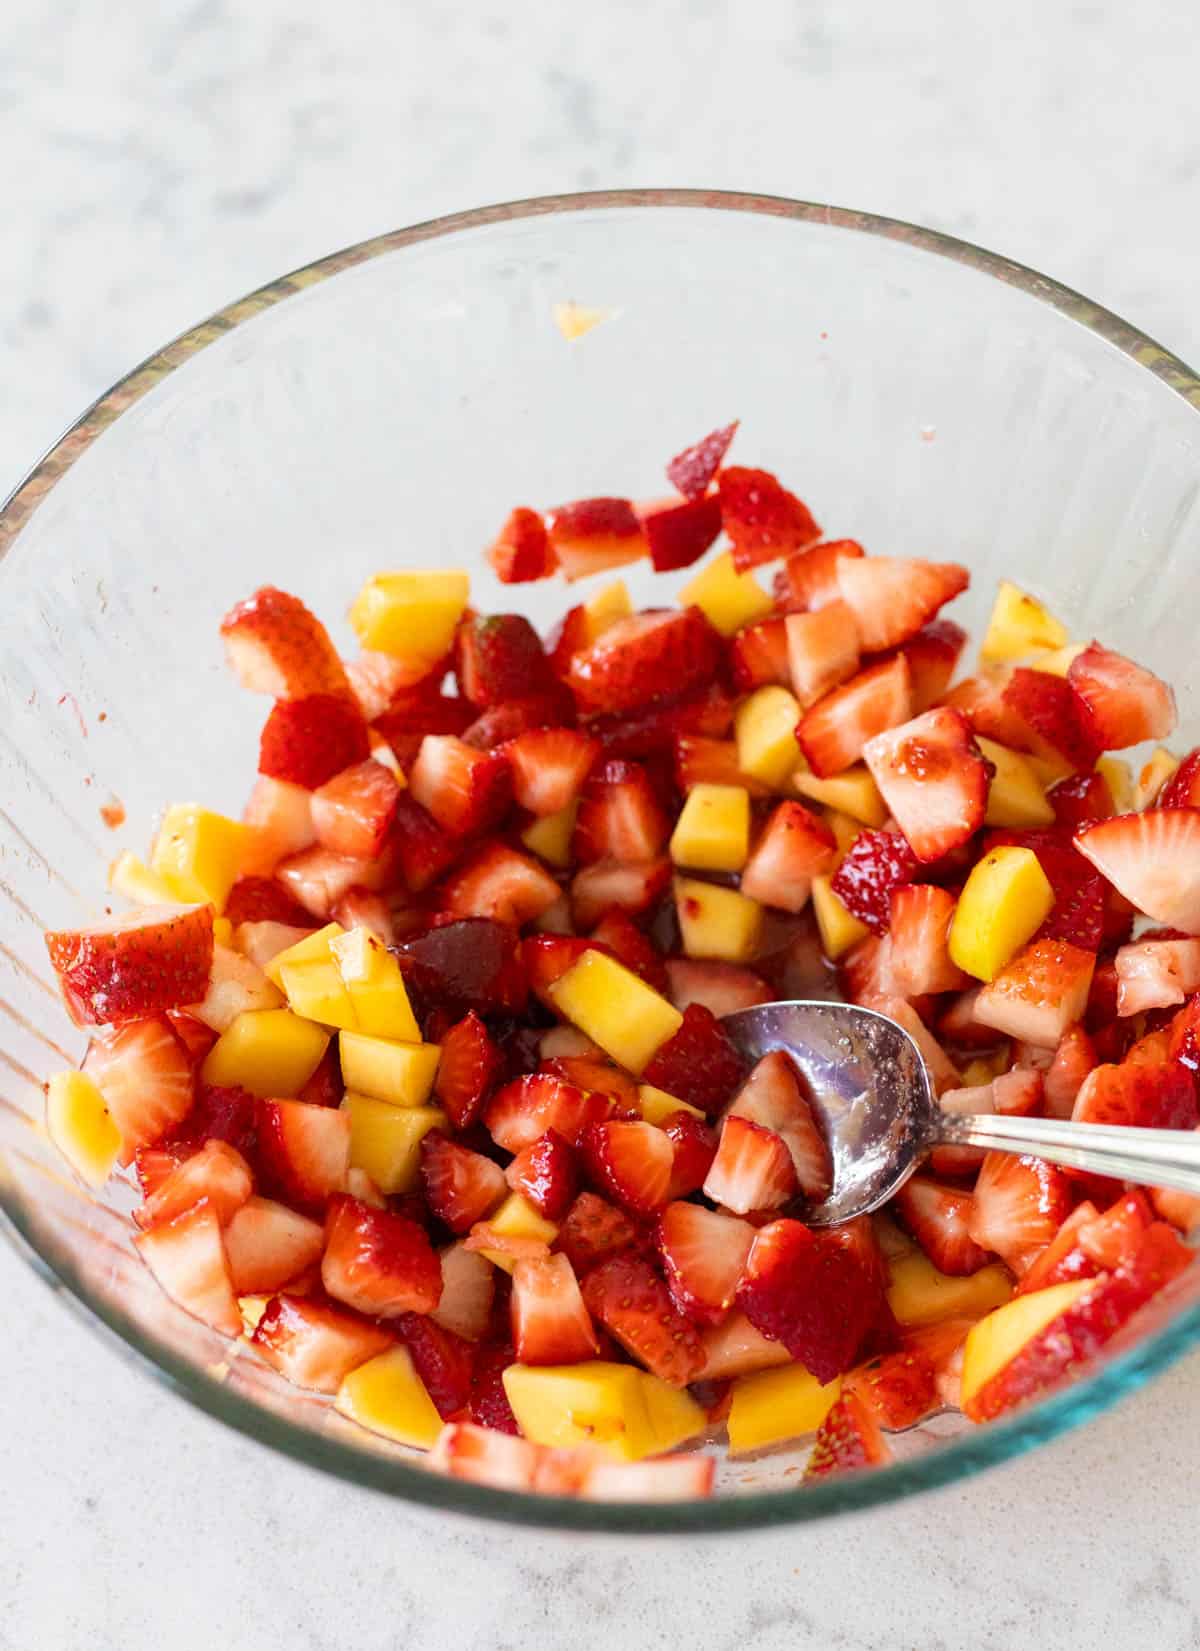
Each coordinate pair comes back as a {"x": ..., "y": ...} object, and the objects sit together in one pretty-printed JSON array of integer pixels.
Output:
[{"x": 420, "y": 1070}]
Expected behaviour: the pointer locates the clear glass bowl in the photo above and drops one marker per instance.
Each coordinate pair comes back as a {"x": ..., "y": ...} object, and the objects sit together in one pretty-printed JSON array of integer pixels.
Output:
[{"x": 386, "y": 407}]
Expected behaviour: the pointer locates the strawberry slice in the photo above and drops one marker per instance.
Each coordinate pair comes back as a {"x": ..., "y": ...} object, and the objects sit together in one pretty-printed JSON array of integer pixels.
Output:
[
  {"x": 594, "y": 1229},
  {"x": 501, "y": 723},
  {"x": 627, "y": 886},
  {"x": 277, "y": 647},
  {"x": 1051, "y": 709},
  {"x": 521, "y": 551},
  {"x": 919, "y": 933},
  {"x": 219, "y": 1114},
  {"x": 187, "y": 1258},
  {"x": 590, "y": 1072},
  {"x": 461, "y": 1187},
  {"x": 753, "y": 1170},
  {"x": 1073, "y": 1059},
  {"x": 934, "y": 779},
  {"x": 814, "y": 1292},
  {"x": 735, "y": 1348},
  {"x": 465, "y": 790},
  {"x": 1018, "y": 1206},
  {"x": 763, "y": 520},
  {"x": 467, "y": 1068},
  {"x": 653, "y": 729},
  {"x": 658, "y": 654},
  {"x": 545, "y": 1173},
  {"x": 1125, "y": 703},
  {"x": 666, "y": 1479},
  {"x": 1039, "y": 994},
  {"x": 620, "y": 817},
  {"x": 704, "y": 1256},
  {"x": 217, "y": 1173},
  {"x": 621, "y": 936},
  {"x": 897, "y": 1389},
  {"x": 833, "y": 732},
  {"x": 1148, "y": 1097},
  {"x": 865, "y": 974},
  {"x": 699, "y": 1064},
  {"x": 773, "y": 1097},
  {"x": 522, "y": 1111},
  {"x": 377, "y": 1262},
  {"x": 304, "y": 1151},
  {"x": 692, "y": 471},
  {"x": 1062, "y": 1259},
  {"x": 759, "y": 655},
  {"x": 1156, "y": 974},
  {"x": 550, "y": 1324},
  {"x": 464, "y": 1451},
  {"x": 444, "y": 1362},
  {"x": 470, "y": 962},
  {"x": 362, "y": 909},
  {"x": 468, "y": 1292},
  {"x": 316, "y": 1345},
  {"x": 267, "y": 1245},
  {"x": 134, "y": 965},
  {"x": 848, "y": 1440},
  {"x": 631, "y": 1163},
  {"x": 353, "y": 812},
  {"x": 498, "y": 657},
  {"x": 694, "y": 1147},
  {"x": 632, "y": 1302},
  {"x": 1153, "y": 859},
  {"x": 822, "y": 649},
  {"x": 1182, "y": 790},
  {"x": 932, "y": 656},
  {"x": 498, "y": 882},
  {"x": 378, "y": 681},
  {"x": 703, "y": 761},
  {"x": 1079, "y": 800},
  {"x": 892, "y": 599},
  {"x": 549, "y": 766},
  {"x": 937, "y": 1218},
  {"x": 307, "y": 741},
  {"x": 261, "y": 900},
  {"x": 1113, "y": 1237},
  {"x": 146, "y": 1078},
  {"x": 593, "y": 535},
  {"x": 721, "y": 988},
  {"x": 318, "y": 879},
  {"x": 877, "y": 864},
  {"x": 796, "y": 845},
  {"x": 489, "y": 1405},
  {"x": 678, "y": 534},
  {"x": 418, "y": 712},
  {"x": 809, "y": 581},
  {"x": 423, "y": 850}
]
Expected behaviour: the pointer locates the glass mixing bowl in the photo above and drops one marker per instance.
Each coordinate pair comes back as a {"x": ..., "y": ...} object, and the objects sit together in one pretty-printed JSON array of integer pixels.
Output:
[{"x": 386, "y": 407}]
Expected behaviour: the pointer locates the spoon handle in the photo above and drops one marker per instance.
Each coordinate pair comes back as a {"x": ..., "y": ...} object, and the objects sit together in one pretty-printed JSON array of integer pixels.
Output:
[{"x": 1155, "y": 1157}]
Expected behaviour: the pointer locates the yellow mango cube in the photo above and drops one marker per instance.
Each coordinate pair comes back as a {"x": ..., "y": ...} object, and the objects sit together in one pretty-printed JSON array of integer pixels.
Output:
[
  {"x": 764, "y": 727},
  {"x": 133, "y": 878},
  {"x": 252, "y": 1309},
  {"x": 270, "y": 1052},
  {"x": 376, "y": 986},
  {"x": 400, "y": 1073},
  {"x": 656, "y": 1106},
  {"x": 1016, "y": 798},
  {"x": 852, "y": 793},
  {"x": 385, "y": 1140},
  {"x": 919, "y": 1294},
  {"x": 727, "y": 598},
  {"x": 985, "y": 1068},
  {"x": 1119, "y": 779},
  {"x": 314, "y": 948},
  {"x": 387, "y": 1396},
  {"x": 603, "y": 610},
  {"x": 577, "y": 320},
  {"x": 839, "y": 928},
  {"x": 771, "y": 1406},
  {"x": 616, "y": 1009},
  {"x": 712, "y": 832},
  {"x": 674, "y": 1415},
  {"x": 596, "y": 1403},
  {"x": 222, "y": 932},
  {"x": 997, "y": 1339},
  {"x": 81, "y": 1127},
  {"x": 198, "y": 853},
  {"x": 411, "y": 615},
  {"x": 1153, "y": 777},
  {"x": 316, "y": 990},
  {"x": 1004, "y": 902},
  {"x": 1019, "y": 625},
  {"x": 715, "y": 922},
  {"x": 1057, "y": 663},
  {"x": 517, "y": 1218},
  {"x": 549, "y": 837}
]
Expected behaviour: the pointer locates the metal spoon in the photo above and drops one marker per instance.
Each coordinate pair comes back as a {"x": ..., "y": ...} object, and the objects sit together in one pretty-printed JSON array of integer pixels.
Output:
[{"x": 881, "y": 1116}]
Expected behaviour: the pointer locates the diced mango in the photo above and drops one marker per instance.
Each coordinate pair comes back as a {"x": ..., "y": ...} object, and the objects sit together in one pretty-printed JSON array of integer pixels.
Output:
[
  {"x": 400, "y": 1073},
  {"x": 411, "y": 615},
  {"x": 385, "y": 1140},
  {"x": 839, "y": 928},
  {"x": 1057, "y": 663},
  {"x": 252, "y": 1309},
  {"x": 712, "y": 832},
  {"x": 1050, "y": 767},
  {"x": 1004, "y": 902},
  {"x": 80, "y": 1126},
  {"x": 1153, "y": 777},
  {"x": 852, "y": 792},
  {"x": 616, "y": 1009},
  {"x": 728, "y": 598},
  {"x": 716, "y": 922},
  {"x": 314, "y": 948},
  {"x": 1015, "y": 796},
  {"x": 387, "y": 1396},
  {"x": 657, "y": 1106},
  {"x": 764, "y": 726},
  {"x": 984, "y": 1068},
  {"x": 596, "y": 1403},
  {"x": 576, "y": 320},
  {"x": 919, "y": 1294},
  {"x": 1117, "y": 775},
  {"x": 846, "y": 832},
  {"x": 198, "y": 853},
  {"x": 674, "y": 1414},
  {"x": 1019, "y": 625},
  {"x": 133, "y": 878},
  {"x": 517, "y": 1218},
  {"x": 316, "y": 990},
  {"x": 997, "y": 1339},
  {"x": 270, "y": 1052},
  {"x": 222, "y": 931},
  {"x": 549, "y": 837},
  {"x": 605, "y": 608},
  {"x": 376, "y": 986},
  {"x": 771, "y": 1406}
]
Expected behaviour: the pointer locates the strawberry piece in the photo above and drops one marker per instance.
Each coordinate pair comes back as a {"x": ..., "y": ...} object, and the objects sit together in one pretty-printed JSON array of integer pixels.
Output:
[
  {"x": 468, "y": 963},
  {"x": 848, "y": 1440},
  {"x": 617, "y": 932},
  {"x": 353, "y": 812},
  {"x": 692, "y": 470},
  {"x": 567, "y": 637},
  {"x": 735, "y": 1348},
  {"x": 897, "y": 1389},
  {"x": 378, "y": 681},
  {"x": 154, "y": 1166},
  {"x": 550, "y": 1324},
  {"x": 632, "y": 1302},
  {"x": 362, "y": 909},
  {"x": 267, "y": 1246},
  {"x": 763, "y": 520},
  {"x": 146, "y": 1078},
  {"x": 1073, "y": 1059},
  {"x": 261, "y": 900},
  {"x": 522, "y": 1111},
  {"x": 699, "y": 760},
  {"x": 1156, "y": 974},
  {"x": 1078, "y": 914},
  {"x": 822, "y": 650},
  {"x": 809, "y": 581},
  {"x": 683, "y": 1478},
  {"x": 1049, "y": 706},
  {"x": 277, "y": 647},
  {"x": 461, "y": 1187},
  {"x": 1079, "y": 800},
  {"x": 1018, "y": 1206},
  {"x": 937, "y": 1217},
  {"x": 655, "y": 728},
  {"x": 721, "y": 988},
  {"x": 217, "y": 1173},
  {"x": 942, "y": 1070},
  {"x": 620, "y": 817},
  {"x": 467, "y": 1068},
  {"x": 1153, "y": 859},
  {"x": 417, "y": 712},
  {"x": 609, "y": 884},
  {"x": 1039, "y": 994},
  {"x": 594, "y": 1229},
  {"x": 919, "y": 933},
  {"x": 423, "y": 849},
  {"x": 195, "y": 1036},
  {"x": 694, "y": 1147},
  {"x": 549, "y": 766},
  {"x": 547, "y": 957},
  {"x": 499, "y": 657},
  {"x": 631, "y": 1163},
  {"x": 1182, "y": 790},
  {"x": 1111, "y": 1238},
  {"x": 135, "y": 965},
  {"x": 892, "y": 599},
  {"x": 678, "y": 534},
  {"x": 796, "y": 845},
  {"x": 759, "y": 655},
  {"x": 377, "y": 1262},
  {"x": 545, "y": 1173},
  {"x": 833, "y": 732},
  {"x": 1124, "y": 702},
  {"x": 704, "y": 1256},
  {"x": 307, "y": 741},
  {"x": 589, "y": 1072},
  {"x": 658, "y": 654},
  {"x": 468, "y": 1292},
  {"x": 304, "y": 1151},
  {"x": 773, "y": 1096},
  {"x": 752, "y": 1171},
  {"x": 465, "y": 790},
  {"x": 932, "y": 656},
  {"x": 464, "y": 1451},
  {"x": 877, "y": 864},
  {"x": 219, "y": 1114},
  {"x": 1062, "y": 1259},
  {"x": 1148, "y": 1097},
  {"x": 316, "y": 1345},
  {"x": 444, "y": 1362},
  {"x": 319, "y": 879},
  {"x": 489, "y": 1404},
  {"x": 521, "y": 551},
  {"x": 593, "y": 535},
  {"x": 933, "y": 778},
  {"x": 187, "y": 1258},
  {"x": 498, "y": 882},
  {"x": 699, "y": 1064},
  {"x": 814, "y": 1292}
]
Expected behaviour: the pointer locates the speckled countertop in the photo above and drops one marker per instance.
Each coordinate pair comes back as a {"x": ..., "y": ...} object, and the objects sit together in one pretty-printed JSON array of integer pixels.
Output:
[{"x": 160, "y": 157}]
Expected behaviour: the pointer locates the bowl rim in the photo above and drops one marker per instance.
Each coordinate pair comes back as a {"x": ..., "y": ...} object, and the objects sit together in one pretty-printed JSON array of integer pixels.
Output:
[{"x": 1061, "y": 1410}]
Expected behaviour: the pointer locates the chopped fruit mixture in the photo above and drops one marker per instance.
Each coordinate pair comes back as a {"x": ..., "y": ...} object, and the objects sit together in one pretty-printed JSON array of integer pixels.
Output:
[{"x": 419, "y": 1066}]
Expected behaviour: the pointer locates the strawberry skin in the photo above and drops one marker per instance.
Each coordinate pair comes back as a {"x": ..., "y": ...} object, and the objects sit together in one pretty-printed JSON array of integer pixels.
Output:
[
  {"x": 678, "y": 534},
  {"x": 763, "y": 520},
  {"x": 545, "y": 1173},
  {"x": 261, "y": 900},
  {"x": 848, "y": 1440},
  {"x": 499, "y": 882},
  {"x": 314, "y": 1344},
  {"x": 463, "y": 789},
  {"x": 521, "y": 552},
  {"x": 919, "y": 934},
  {"x": 187, "y": 1258},
  {"x": 809, "y": 581},
  {"x": 878, "y": 863},
  {"x": 652, "y": 655},
  {"x": 796, "y": 845},
  {"x": 699, "y": 1064},
  {"x": 353, "y": 812},
  {"x": 378, "y": 1263},
  {"x": 1147, "y": 1097},
  {"x": 1049, "y": 707},
  {"x": 1125, "y": 703},
  {"x": 1182, "y": 790},
  {"x": 444, "y": 1362},
  {"x": 307, "y": 741},
  {"x": 812, "y": 1292},
  {"x": 833, "y": 732},
  {"x": 498, "y": 657},
  {"x": 633, "y": 1303},
  {"x": 468, "y": 1067},
  {"x": 704, "y": 1256},
  {"x": 692, "y": 471},
  {"x": 934, "y": 779},
  {"x": 135, "y": 965},
  {"x": 461, "y": 1187},
  {"x": 693, "y": 1147},
  {"x": 759, "y": 655},
  {"x": 1018, "y": 1206},
  {"x": 417, "y": 712},
  {"x": 897, "y": 1389},
  {"x": 594, "y": 1229},
  {"x": 590, "y": 535},
  {"x": 1153, "y": 859},
  {"x": 277, "y": 647}
]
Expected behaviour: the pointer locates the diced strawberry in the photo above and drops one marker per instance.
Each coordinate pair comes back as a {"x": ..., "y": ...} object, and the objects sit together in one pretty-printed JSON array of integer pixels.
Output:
[
  {"x": 702, "y": 761},
  {"x": 763, "y": 520},
  {"x": 217, "y": 1173},
  {"x": 631, "y": 1301},
  {"x": 279, "y": 816},
  {"x": 545, "y": 1173},
  {"x": 721, "y": 988},
  {"x": 848, "y": 1440},
  {"x": 598, "y": 1072},
  {"x": 499, "y": 657},
  {"x": 822, "y": 650},
  {"x": 1073, "y": 1059},
  {"x": 549, "y": 765},
  {"x": 498, "y": 882},
  {"x": 1078, "y": 914},
  {"x": 699, "y": 1064},
  {"x": 759, "y": 655},
  {"x": 920, "y": 960},
  {"x": 1079, "y": 800},
  {"x": 566, "y": 638},
  {"x": 521, "y": 551},
  {"x": 377, "y": 1262},
  {"x": 620, "y": 817},
  {"x": 627, "y": 886},
  {"x": 631, "y": 1163},
  {"x": 1181, "y": 1209},
  {"x": 1148, "y": 1097},
  {"x": 694, "y": 1147},
  {"x": 353, "y": 812},
  {"x": 1018, "y": 1206},
  {"x": 811, "y": 1291},
  {"x": 316, "y": 1345},
  {"x": 703, "y": 1255},
  {"x": 304, "y": 1151},
  {"x": 877, "y": 864},
  {"x": 484, "y": 1457},
  {"x": 897, "y": 1389},
  {"x": 550, "y": 1324},
  {"x": 653, "y": 655},
  {"x": 683, "y": 1478},
  {"x": 937, "y": 1218},
  {"x": 465, "y": 790},
  {"x": 378, "y": 681},
  {"x": 154, "y": 1166},
  {"x": 1153, "y": 859},
  {"x": 809, "y": 581},
  {"x": 774, "y": 1097},
  {"x": 735, "y": 1348},
  {"x": 933, "y": 778},
  {"x": 277, "y": 647},
  {"x": 1039, "y": 994},
  {"x": 307, "y": 741},
  {"x": 1156, "y": 974},
  {"x": 318, "y": 879},
  {"x": 468, "y": 1292},
  {"x": 959, "y": 1027},
  {"x": 444, "y": 1362},
  {"x": 218, "y": 1114},
  {"x": 892, "y": 599},
  {"x": 547, "y": 957},
  {"x": 423, "y": 849},
  {"x": 865, "y": 974},
  {"x": 1062, "y": 1259},
  {"x": 752, "y": 1171},
  {"x": 1125, "y": 703},
  {"x": 693, "y": 470},
  {"x": 500, "y": 724},
  {"x": 678, "y": 534},
  {"x": 262, "y": 900},
  {"x": 593, "y": 535},
  {"x": 932, "y": 656},
  {"x": 1111, "y": 1238},
  {"x": 655, "y": 727},
  {"x": 942, "y": 1070},
  {"x": 140, "y": 963},
  {"x": 833, "y": 732},
  {"x": 461, "y": 1187},
  {"x": 267, "y": 1245},
  {"x": 522, "y": 1111},
  {"x": 1182, "y": 790},
  {"x": 363, "y": 909},
  {"x": 620, "y": 934},
  {"x": 146, "y": 1078},
  {"x": 594, "y": 1229},
  {"x": 187, "y": 1258},
  {"x": 417, "y": 712},
  {"x": 796, "y": 845},
  {"x": 489, "y": 1405},
  {"x": 1050, "y": 707},
  {"x": 466, "y": 963}
]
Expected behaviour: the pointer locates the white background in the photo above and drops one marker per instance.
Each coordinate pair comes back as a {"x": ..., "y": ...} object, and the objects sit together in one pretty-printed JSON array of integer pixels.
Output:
[{"x": 159, "y": 158}]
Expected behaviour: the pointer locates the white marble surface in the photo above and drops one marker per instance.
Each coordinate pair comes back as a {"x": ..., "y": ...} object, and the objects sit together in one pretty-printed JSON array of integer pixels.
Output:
[{"x": 157, "y": 158}]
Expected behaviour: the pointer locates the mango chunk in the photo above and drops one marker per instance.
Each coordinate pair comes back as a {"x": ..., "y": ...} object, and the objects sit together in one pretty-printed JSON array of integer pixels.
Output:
[
  {"x": 1019, "y": 625},
  {"x": 712, "y": 832},
  {"x": 716, "y": 922},
  {"x": 1016, "y": 798},
  {"x": 198, "y": 853},
  {"x": 385, "y": 1140},
  {"x": 400, "y": 1073},
  {"x": 387, "y": 1396},
  {"x": 375, "y": 986},
  {"x": 316, "y": 990},
  {"x": 773, "y": 1405},
  {"x": 839, "y": 928},
  {"x": 270, "y": 1052},
  {"x": 674, "y": 1414},
  {"x": 846, "y": 832},
  {"x": 314, "y": 948},
  {"x": 727, "y": 598},
  {"x": 623, "y": 1412},
  {"x": 616, "y": 1009},
  {"x": 764, "y": 727},
  {"x": 1004, "y": 902},
  {"x": 919, "y": 1294},
  {"x": 549, "y": 837},
  {"x": 853, "y": 792},
  {"x": 517, "y": 1218},
  {"x": 601, "y": 611},
  {"x": 1153, "y": 777},
  {"x": 997, "y": 1339},
  {"x": 80, "y": 1126},
  {"x": 411, "y": 615},
  {"x": 1119, "y": 779},
  {"x": 133, "y": 878},
  {"x": 1057, "y": 663},
  {"x": 657, "y": 1106}
]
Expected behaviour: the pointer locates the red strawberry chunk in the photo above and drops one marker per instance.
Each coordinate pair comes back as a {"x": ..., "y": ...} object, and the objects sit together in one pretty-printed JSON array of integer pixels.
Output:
[
  {"x": 1078, "y": 914},
  {"x": 423, "y": 850},
  {"x": 704, "y": 1256},
  {"x": 878, "y": 863},
  {"x": 1111, "y": 1238},
  {"x": 932, "y": 656},
  {"x": 417, "y": 712},
  {"x": 217, "y": 1173},
  {"x": 316, "y": 1345},
  {"x": 1148, "y": 1097},
  {"x": 466, "y": 963},
  {"x": 443, "y": 1361},
  {"x": 219, "y": 1114},
  {"x": 498, "y": 882},
  {"x": 146, "y": 1078},
  {"x": 753, "y": 1170},
  {"x": 796, "y": 845},
  {"x": 589, "y": 1072},
  {"x": 678, "y": 534},
  {"x": 1079, "y": 800},
  {"x": 1125, "y": 703},
  {"x": 261, "y": 900},
  {"x": 304, "y": 1151},
  {"x": 625, "y": 885},
  {"x": 631, "y": 1301},
  {"x": 500, "y": 724},
  {"x": 1073, "y": 1059},
  {"x": 1049, "y": 706},
  {"x": 721, "y": 988},
  {"x": 277, "y": 647},
  {"x": 546, "y": 1174},
  {"x": 499, "y": 657},
  {"x": 655, "y": 728},
  {"x": 618, "y": 932},
  {"x": 1156, "y": 974},
  {"x": 267, "y": 1246},
  {"x": 135, "y": 965},
  {"x": 620, "y": 817},
  {"x": 465, "y": 790},
  {"x": 549, "y": 766},
  {"x": 318, "y": 879},
  {"x": 377, "y": 1262},
  {"x": 919, "y": 954},
  {"x": 547, "y": 957},
  {"x": 1018, "y": 1206},
  {"x": 933, "y": 778},
  {"x": 1062, "y": 1259},
  {"x": 594, "y": 1229},
  {"x": 848, "y": 1440},
  {"x": 833, "y": 732},
  {"x": 699, "y": 1064},
  {"x": 822, "y": 650},
  {"x": 593, "y": 535},
  {"x": 489, "y": 1402},
  {"x": 353, "y": 812},
  {"x": 937, "y": 1217},
  {"x": 521, "y": 551},
  {"x": 550, "y": 1324},
  {"x": 631, "y": 1163},
  {"x": 187, "y": 1258},
  {"x": 1182, "y": 790},
  {"x": 692, "y": 470},
  {"x": 774, "y": 1097},
  {"x": 759, "y": 655},
  {"x": 522, "y": 1111},
  {"x": 809, "y": 580},
  {"x": 653, "y": 655},
  {"x": 1153, "y": 859},
  {"x": 897, "y": 1389},
  {"x": 763, "y": 520},
  {"x": 694, "y": 1146},
  {"x": 814, "y": 1292},
  {"x": 461, "y": 1187},
  {"x": 380, "y": 680},
  {"x": 892, "y": 599},
  {"x": 307, "y": 741},
  {"x": 1039, "y": 994}
]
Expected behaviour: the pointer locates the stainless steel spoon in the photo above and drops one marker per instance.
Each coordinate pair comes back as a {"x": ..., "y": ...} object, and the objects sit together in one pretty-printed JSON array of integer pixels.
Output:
[{"x": 882, "y": 1117}]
